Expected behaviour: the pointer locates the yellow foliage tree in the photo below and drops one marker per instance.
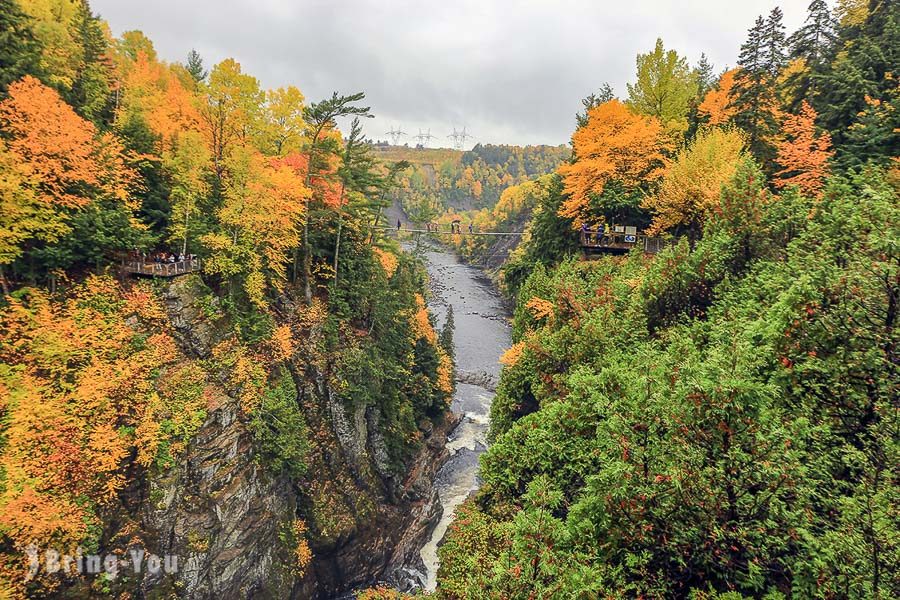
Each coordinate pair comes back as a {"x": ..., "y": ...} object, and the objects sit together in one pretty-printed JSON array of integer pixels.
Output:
[
  {"x": 540, "y": 308},
  {"x": 259, "y": 223},
  {"x": 513, "y": 355},
  {"x": 22, "y": 215},
  {"x": 152, "y": 92},
  {"x": 76, "y": 379},
  {"x": 691, "y": 187},
  {"x": 283, "y": 125},
  {"x": 54, "y": 28},
  {"x": 230, "y": 109},
  {"x": 388, "y": 260}
]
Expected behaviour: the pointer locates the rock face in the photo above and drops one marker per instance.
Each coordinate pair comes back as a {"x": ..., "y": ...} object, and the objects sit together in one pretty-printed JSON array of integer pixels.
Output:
[
  {"x": 226, "y": 517},
  {"x": 221, "y": 514}
]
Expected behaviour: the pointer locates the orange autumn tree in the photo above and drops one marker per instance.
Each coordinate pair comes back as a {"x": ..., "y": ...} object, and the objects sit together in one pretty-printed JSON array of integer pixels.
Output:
[
  {"x": 422, "y": 329},
  {"x": 324, "y": 184},
  {"x": 615, "y": 145},
  {"x": 716, "y": 106},
  {"x": 155, "y": 95},
  {"x": 77, "y": 389},
  {"x": 60, "y": 152},
  {"x": 803, "y": 154},
  {"x": 59, "y": 162}
]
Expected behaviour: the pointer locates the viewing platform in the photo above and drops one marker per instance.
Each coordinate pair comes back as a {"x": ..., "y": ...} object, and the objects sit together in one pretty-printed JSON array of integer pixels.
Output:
[
  {"x": 614, "y": 242},
  {"x": 161, "y": 269}
]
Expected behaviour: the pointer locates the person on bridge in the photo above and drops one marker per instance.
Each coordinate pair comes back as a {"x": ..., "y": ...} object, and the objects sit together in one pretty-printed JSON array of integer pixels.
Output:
[
  {"x": 399, "y": 224},
  {"x": 471, "y": 228},
  {"x": 600, "y": 231}
]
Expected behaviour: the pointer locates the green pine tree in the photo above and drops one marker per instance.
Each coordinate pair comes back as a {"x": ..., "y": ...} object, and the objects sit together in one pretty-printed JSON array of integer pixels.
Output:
[
  {"x": 91, "y": 92},
  {"x": 195, "y": 66},
  {"x": 20, "y": 52},
  {"x": 754, "y": 98},
  {"x": 814, "y": 43},
  {"x": 864, "y": 72}
]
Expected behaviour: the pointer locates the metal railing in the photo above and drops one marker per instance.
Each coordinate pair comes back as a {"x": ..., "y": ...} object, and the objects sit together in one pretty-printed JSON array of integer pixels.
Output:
[
  {"x": 621, "y": 241},
  {"x": 162, "y": 269}
]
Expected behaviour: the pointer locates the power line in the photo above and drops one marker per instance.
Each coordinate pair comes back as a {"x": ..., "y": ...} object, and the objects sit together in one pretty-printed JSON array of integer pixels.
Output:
[
  {"x": 424, "y": 138},
  {"x": 395, "y": 134},
  {"x": 459, "y": 137}
]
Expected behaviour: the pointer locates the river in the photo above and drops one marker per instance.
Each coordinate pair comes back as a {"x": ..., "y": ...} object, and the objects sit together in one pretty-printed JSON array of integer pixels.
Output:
[{"x": 481, "y": 334}]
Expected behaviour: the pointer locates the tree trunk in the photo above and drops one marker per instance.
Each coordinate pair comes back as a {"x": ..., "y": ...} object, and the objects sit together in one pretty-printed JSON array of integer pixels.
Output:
[
  {"x": 337, "y": 242},
  {"x": 307, "y": 266},
  {"x": 184, "y": 242},
  {"x": 307, "y": 247},
  {"x": 337, "y": 249},
  {"x": 374, "y": 225}
]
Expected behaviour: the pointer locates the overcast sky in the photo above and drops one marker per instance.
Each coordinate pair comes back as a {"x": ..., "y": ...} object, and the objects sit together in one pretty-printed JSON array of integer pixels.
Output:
[{"x": 511, "y": 71}]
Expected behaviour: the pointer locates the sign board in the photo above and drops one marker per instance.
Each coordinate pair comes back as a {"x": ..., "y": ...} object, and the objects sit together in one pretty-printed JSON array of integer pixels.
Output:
[{"x": 631, "y": 239}]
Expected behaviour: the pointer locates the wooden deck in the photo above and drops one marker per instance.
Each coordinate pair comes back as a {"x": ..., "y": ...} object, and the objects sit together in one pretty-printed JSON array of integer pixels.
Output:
[
  {"x": 162, "y": 269},
  {"x": 620, "y": 243}
]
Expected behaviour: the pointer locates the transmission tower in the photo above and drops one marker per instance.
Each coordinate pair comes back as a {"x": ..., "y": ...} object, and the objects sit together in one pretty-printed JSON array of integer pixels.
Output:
[
  {"x": 423, "y": 138},
  {"x": 395, "y": 134},
  {"x": 459, "y": 138}
]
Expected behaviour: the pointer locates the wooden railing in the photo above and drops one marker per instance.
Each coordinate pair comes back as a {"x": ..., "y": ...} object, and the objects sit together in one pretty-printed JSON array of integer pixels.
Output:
[
  {"x": 621, "y": 242},
  {"x": 162, "y": 269}
]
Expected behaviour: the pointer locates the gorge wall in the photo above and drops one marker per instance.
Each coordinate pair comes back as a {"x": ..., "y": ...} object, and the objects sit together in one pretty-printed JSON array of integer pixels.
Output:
[{"x": 227, "y": 517}]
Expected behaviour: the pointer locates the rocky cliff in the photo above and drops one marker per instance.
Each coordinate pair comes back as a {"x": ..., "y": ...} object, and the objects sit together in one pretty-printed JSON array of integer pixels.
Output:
[{"x": 229, "y": 518}]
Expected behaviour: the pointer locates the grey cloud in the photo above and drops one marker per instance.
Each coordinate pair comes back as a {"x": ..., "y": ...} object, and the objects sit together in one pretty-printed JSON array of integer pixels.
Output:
[{"x": 512, "y": 71}]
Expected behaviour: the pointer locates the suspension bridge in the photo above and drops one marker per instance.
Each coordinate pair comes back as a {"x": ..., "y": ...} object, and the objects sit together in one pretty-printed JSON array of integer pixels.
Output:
[{"x": 447, "y": 232}]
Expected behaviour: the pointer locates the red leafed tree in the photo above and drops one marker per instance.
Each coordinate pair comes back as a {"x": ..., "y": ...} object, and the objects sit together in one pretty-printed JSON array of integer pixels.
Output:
[
  {"x": 803, "y": 154},
  {"x": 325, "y": 185}
]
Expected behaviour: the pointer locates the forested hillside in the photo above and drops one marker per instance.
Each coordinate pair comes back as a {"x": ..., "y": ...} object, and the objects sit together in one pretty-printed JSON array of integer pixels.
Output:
[
  {"x": 719, "y": 420},
  {"x": 265, "y": 417},
  {"x": 439, "y": 179}
]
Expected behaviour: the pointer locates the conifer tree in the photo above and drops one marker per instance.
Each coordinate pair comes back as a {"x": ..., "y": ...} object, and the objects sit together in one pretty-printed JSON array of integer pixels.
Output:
[
  {"x": 706, "y": 80},
  {"x": 92, "y": 88},
  {"x": 20, "y": 52},
  {"x": 704, "y": 73},
  {"x": 814, "y": 41},
  {"x": 754, "y": 99},
  {"x": 605, "y": 94},
  {"x": 811, "y": 48},
  {"x": 446, "y": 336},
  {"x": 195, "y": 66},
  {"x": 863, "y": 74},
  {"x": 321, "y": 117},
  {"x": 773, "y": 43}
]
